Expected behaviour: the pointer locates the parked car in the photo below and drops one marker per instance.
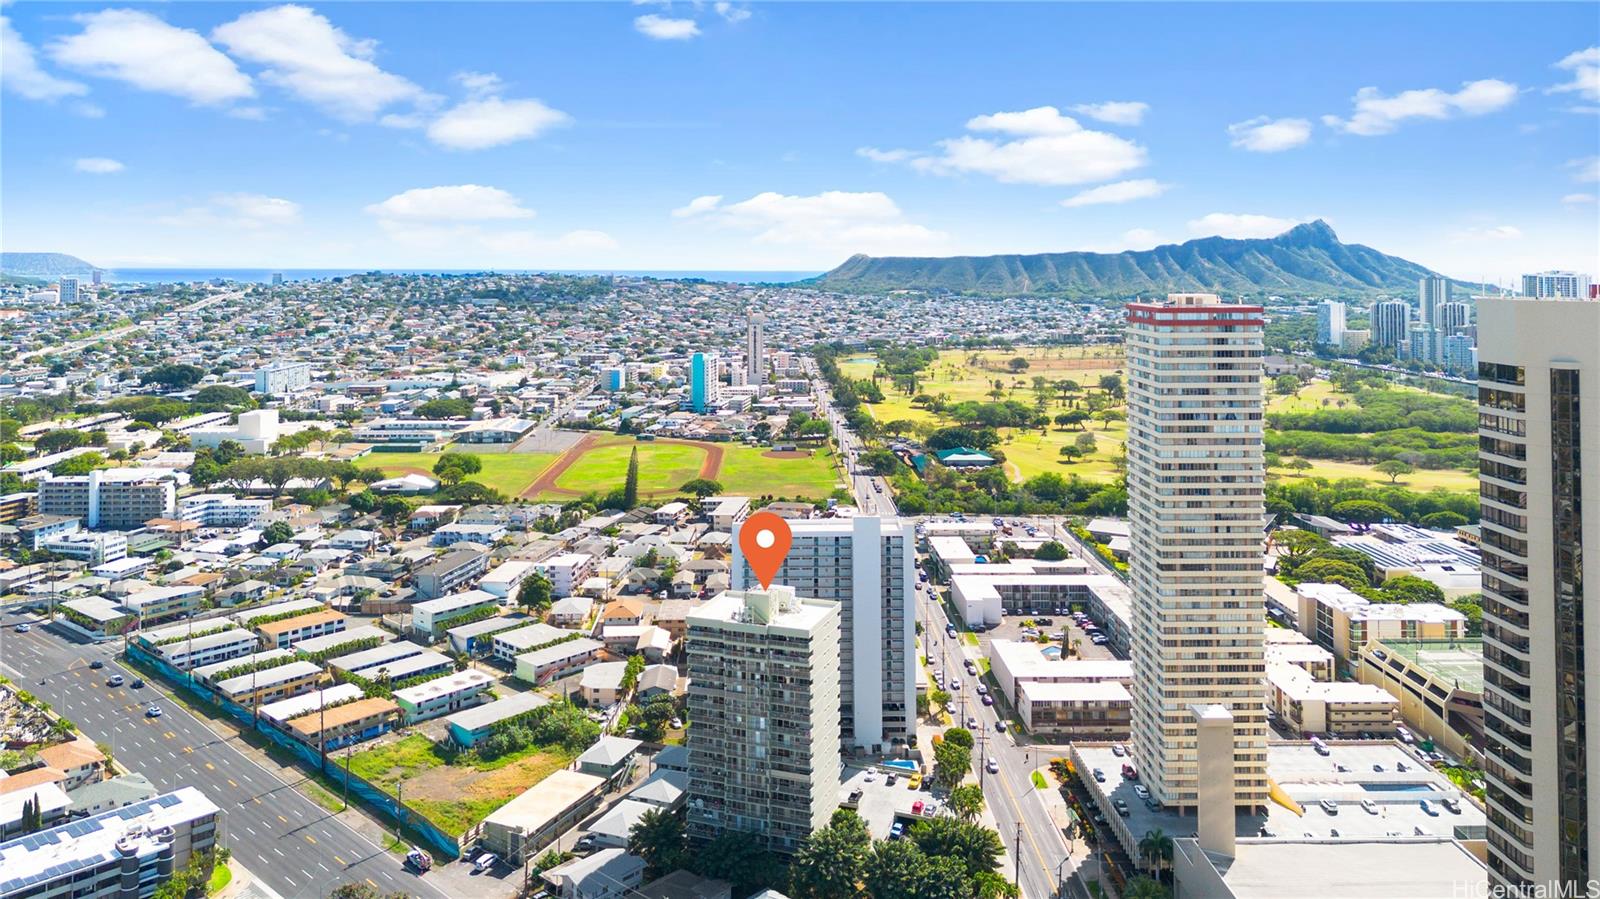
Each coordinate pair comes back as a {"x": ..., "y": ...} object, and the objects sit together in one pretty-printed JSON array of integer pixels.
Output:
[
  {"x": 419, "y": 860},
  {"x": 1141, "y": 791},
  {"x": 982, "y": 690},
  {"x": 1099, "y": 775},
  {"x": 1329, "y": 806},
  {"x": 485, "y": 862},
  {"x": 1368, "y": 806},
  {"x": 897, "y": 830},
  {"x": 1427, "y": 807},
  {"x": 916, "y": 807},
  {"x": 891, "y": 779},
  {"x": 1117, "y": 750},
  {"x": 1121, "y": 807}
]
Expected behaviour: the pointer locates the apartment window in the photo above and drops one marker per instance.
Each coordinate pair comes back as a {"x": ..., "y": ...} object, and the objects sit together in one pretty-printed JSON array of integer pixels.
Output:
[{"x": 1572, "y": 764}]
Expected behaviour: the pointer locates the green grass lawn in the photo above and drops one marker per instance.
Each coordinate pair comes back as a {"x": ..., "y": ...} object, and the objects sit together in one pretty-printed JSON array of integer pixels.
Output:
[
  {"x": 746, "y": 472},
  {"x": 663, "y": 467},
  {"x": 454, "y": 797},
  {"x": 964, "y": 375},
  {"x": 1421, "y": 480},
  {"x": 509, "y": 473},
  {"x": 221, "y": 876}
]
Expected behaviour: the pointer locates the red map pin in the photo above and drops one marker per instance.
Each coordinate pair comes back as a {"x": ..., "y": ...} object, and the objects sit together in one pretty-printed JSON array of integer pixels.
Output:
[{"x": 765, "y": 539}]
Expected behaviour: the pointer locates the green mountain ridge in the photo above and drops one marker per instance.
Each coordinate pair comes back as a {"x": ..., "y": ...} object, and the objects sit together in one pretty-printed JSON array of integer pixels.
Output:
[
  {"x": 1308, "y": 258},
  {"x": 44, "y": 265}
]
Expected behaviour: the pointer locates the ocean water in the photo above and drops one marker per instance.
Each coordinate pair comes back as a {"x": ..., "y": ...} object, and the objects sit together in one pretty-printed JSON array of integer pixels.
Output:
[{"x": 264, "y": 275}]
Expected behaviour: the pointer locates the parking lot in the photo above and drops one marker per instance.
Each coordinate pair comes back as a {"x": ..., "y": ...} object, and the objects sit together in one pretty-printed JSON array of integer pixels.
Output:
[{"x": 1018, "y": 628}]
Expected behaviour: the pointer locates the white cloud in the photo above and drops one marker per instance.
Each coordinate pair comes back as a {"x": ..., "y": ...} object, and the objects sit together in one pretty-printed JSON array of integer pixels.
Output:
[
  {"x": 479, "y": 84},
  {"x": 1377, "y": 114},
  {"x": 307, "y": 56},
  {"x": 1141, "y": 238},
  {"x": 1117, "y": 192},
  {"x": 492, "y": 121},
  {"x": 843, "y": 221},
  {"x": 140, "y": 49},
  {"x": 1035, "y": 121},
  {"x": 662, "y": 28},
  {"x": 1049, "y": 148},
  {"x": 1585, "y": 68},
  {"x": 1114, "y": 112},
  {"x": 1587, "y": 169},
  {"x": 732, "y": 13},
  {"x": 1240, "y": 225},
  {"x": 697, "y": 206},
  {"x": 21, "y": 74},
  {"x": 877, "y": 155},
  {"x": 240, "y": 210},
  {"x": 453, "y": 203},
  {"x": 98, "y": 165},
  {"x": 1267, "y": 135},
  {"x": 259, "y": 209},
  {"x": 1490, "y": 232},
  {"x": 1577, "y": 199}
]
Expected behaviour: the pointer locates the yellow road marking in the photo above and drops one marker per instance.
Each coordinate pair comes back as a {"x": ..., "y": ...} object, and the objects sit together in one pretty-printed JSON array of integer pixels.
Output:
[
  {"x": 232, "y": 784},
  {"x": 374, "y": 885},
  {"x": 256, "y": 799},
  {"x": 169, "y": 735},
  {"x": 283, "y": 819},
  {"x": 210, "y": 767},
  {"x": 311, "y": 839},
  {"x": 188, "y": 749},
  {"x": 340, "y": 860}
]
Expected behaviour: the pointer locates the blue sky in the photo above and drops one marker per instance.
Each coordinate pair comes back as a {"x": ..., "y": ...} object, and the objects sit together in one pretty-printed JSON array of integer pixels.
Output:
[{"x": 787, "y": 136}]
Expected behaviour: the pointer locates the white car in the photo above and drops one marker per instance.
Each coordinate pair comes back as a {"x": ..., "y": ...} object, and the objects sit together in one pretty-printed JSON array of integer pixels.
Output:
[
  {"x": 485, "y": 862},
  {"x": 1141, "y": 791},
  {"x": 993, "y": 766}
]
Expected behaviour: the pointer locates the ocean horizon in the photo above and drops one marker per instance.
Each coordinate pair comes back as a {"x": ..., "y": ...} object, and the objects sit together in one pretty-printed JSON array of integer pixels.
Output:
[{"x": 264, "y": 275}]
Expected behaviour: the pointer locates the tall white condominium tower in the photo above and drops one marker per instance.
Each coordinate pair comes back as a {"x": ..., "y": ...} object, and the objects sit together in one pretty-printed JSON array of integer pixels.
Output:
[
  {"x": 764, "y": 698},
  {"x": 1539, "y": 448},
  {"x": 1431, "y": 291},
  {"x": 755, "y": 349},
  {"x": 68, "y": 289},
  {"x": 868, "y": 565},
  {"x": 1391, "y": 322},
  {"x": 1330, "y": 323},
  {"x": 1544, "y": 285},
  {"x": 1195, "y": 499}
]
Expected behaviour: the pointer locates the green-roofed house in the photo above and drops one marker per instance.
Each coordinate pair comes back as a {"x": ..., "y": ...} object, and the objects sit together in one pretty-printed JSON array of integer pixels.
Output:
[{"x": 964, "y": 457}]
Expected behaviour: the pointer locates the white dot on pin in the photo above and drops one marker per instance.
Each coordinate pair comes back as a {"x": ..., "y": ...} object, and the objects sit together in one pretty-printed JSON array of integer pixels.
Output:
[{"x": 765, "y": 539}]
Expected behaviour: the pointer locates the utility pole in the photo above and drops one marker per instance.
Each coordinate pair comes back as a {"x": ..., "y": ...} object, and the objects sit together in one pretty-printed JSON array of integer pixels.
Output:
[
  {"x": 347, "y": 749},
  {"x": 1018, "y": 855}
]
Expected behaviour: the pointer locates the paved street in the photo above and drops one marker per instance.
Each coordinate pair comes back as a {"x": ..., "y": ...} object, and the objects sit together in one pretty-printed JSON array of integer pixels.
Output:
[{"x": 288, "y": 841}]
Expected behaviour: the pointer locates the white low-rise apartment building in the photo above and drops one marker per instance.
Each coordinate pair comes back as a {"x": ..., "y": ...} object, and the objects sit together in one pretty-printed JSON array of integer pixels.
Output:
[
  {"x": 443, "y": 695},
  {"x": 482, "y": 534},
  {"x": 505, "y": 579},
  {"x": 1341, "y": 708},
  {"x": 223, "y": 510},
  {"x": 1075, "y": 710},
  {"x": 188, "y": 652},
  {"x": 1343, "y": 621},
  {"x": 560, "y": 660},
  {"x": 93, "y": 548},
  {"x": 520, "y": 641},
  {"x": 432, "y": 617},
  {"x": 122, "y": 853},
  {"x": 566, "y": 572}
]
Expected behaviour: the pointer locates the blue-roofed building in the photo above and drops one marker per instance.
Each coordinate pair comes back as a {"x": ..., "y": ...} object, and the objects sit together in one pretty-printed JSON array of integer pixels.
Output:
[{"x": 120, "y": 853}]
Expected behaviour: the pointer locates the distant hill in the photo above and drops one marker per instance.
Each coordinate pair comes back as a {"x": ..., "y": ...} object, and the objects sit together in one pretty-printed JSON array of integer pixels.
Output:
[
  {"x": 1307, "y": 258},
  {"x": 44, "y": 265}
]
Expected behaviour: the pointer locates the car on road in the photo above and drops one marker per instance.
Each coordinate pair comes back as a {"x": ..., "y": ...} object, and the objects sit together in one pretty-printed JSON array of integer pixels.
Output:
[
  {"x": 114, "y": 680},
  {"x": 138, "y": 683},
  {"x": 1099, "y": 775},
  {"x": 24, "y": 627},
  {"x": 982, "y": 690},
  {"x": 999, "y": 725},
  {"x": 972, "y": 723},
  {"x": 97, "y": 664},
  {"x": 988, "y": 700},
  {"x": 419, "y": 860},
  {"x": 153, "y": 712},
  {"x": 992, "y": 766}
]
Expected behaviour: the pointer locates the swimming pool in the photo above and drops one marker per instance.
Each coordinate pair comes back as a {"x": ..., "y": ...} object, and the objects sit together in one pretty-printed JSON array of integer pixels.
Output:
[
  {"x": 1398, "y": 787},
  {"x": 902, "y": 764}
]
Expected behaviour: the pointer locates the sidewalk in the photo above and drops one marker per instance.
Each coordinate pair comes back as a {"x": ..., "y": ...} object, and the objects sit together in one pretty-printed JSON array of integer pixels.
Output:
[{"x": 244, "y": 885}]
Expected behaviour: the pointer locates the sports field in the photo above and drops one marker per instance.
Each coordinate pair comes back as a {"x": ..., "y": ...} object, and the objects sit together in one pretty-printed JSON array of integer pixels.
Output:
[
  {"x": 509, "y": 473},
  {"x": 962, "y": 375},
  {"x": 599, "y": 464}
]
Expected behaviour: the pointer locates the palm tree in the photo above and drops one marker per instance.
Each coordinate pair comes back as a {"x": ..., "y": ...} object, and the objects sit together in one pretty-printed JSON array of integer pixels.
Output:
[
  {"x": 1156, "y": 847},
  {"x": 1142, "y": 887}
]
